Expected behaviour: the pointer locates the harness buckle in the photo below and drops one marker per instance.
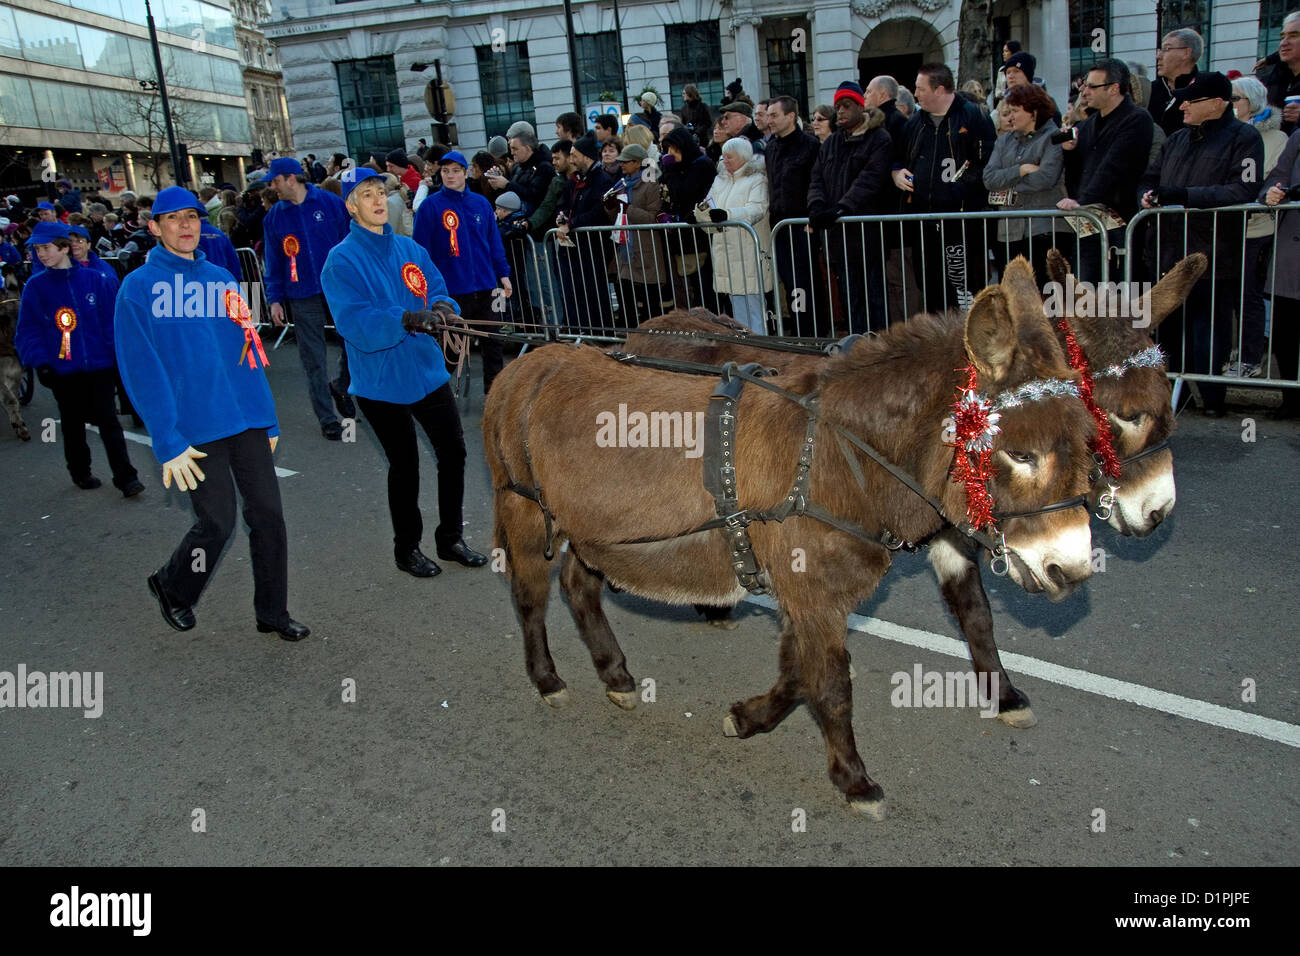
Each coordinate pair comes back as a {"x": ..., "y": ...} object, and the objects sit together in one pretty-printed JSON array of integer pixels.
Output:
[
  {"x": 1001, "y": 562},
  {"x": 1106, "y": 503}
]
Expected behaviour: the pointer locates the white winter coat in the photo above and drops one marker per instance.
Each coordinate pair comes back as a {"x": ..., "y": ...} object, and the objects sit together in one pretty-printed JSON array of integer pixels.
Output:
[{"x": 736, "y": 269}]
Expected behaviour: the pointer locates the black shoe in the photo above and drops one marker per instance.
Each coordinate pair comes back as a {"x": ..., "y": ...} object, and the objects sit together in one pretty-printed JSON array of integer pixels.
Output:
[
  {"x": 461, "y": 554},
  {"x": 133, "y": 488},
  {"x": 343, "y": 402},
  {"x": 290, "y": 631},
  {"x": 88, "y": 483},
  {"x": 332, "y": 430},
  {"x": 417, "y": 564},
  {"x": 181, "y": 618}
]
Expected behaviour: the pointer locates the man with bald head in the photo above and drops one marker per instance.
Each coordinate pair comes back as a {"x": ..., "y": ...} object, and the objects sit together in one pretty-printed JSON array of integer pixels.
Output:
[{"x": 882, "y": 93}]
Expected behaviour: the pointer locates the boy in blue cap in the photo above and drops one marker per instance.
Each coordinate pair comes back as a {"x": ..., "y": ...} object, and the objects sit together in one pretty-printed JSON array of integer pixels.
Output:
[
  {"x": 458, "y": 228},
  {"x": 299, "y": 232},
  {"x": 45, "y": 212},
  {"x": 184, "y": 335},
  {"x": 65, "y": 332},
  {"x": 382, "y": 288}
]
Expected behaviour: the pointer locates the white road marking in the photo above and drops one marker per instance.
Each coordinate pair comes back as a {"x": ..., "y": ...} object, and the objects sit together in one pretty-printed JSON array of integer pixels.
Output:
[
  {"x": 1214, "y": 714},
  {"x": 146, "y": 440}
]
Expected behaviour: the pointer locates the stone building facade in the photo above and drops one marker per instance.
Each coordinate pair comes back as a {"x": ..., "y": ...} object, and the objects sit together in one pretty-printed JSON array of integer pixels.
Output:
[{"x": 268, "y": 113}]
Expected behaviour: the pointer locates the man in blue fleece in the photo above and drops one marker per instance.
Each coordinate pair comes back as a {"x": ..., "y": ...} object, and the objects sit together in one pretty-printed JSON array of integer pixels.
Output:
[
  {"x": 216, "y": 245},
  {"x": 383, "y": 289},
  {"x": 65, "y": 332},
  {"x": 299, "y": 232},
  {"x": 458, "y": 228},
  {"x": 189, "y": 355}
]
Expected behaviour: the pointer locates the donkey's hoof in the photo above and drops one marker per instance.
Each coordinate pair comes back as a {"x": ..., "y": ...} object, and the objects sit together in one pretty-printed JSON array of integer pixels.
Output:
[
  {"x": 558, "y": 699},
  {"x": 853, "y": 673},
  {"x": 24, "y": 434},
  {"x": 725, "y": 623},
  {"x": 625, "y": 699},
  {"x": 872, "y": 809},
  {"x": 729, "y": 727},
  {"x": 1020, "y": 718}
]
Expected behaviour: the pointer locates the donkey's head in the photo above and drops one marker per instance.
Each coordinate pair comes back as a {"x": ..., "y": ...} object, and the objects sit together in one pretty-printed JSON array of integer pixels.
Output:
[
  {"x": 1130, "y": 386},
  {"x": 1040, "y": 454}
]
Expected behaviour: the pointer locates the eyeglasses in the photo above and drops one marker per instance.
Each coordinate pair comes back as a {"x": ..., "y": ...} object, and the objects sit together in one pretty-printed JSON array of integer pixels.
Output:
[
  {"x": 1097, "y": 86},
  {"x": 1170, "y": 49}
]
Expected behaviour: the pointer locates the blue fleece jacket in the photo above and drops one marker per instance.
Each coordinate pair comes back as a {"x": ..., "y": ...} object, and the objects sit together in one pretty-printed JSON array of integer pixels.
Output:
[
  {"x": 220, "y": 250},
  {"x": 99, "y": 265},
  {"x": 179, "y": 355},
  {"x": 367, "y": 296},
  {"x": 90, "y": 296},
  {"x": 319, "y": 223},
  {"x": 9, "y": 252},
  {"x": 482, "y": 257}
]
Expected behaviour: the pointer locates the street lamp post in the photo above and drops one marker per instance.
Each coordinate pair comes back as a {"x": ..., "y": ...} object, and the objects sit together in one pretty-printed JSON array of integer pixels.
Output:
[{"x": 160, "y": 85}]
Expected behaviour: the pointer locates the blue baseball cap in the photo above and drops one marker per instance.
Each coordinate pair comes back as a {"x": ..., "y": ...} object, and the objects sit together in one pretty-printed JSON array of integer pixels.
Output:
[
  {"x": 454, "y": 157},
  {"x": 46, "y": 205},
  {"x": 79, "y": 231},
  {"x": 284, "y": 166},
  {"x": 47, "y": 232},
  {"x": 350, "y": 179},
  {"x": 176, "y": 198}
]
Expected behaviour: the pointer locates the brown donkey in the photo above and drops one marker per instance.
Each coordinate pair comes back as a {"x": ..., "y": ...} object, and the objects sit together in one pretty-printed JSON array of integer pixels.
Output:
[
  {"x": 626, "y": 511},
  {"x": 1130, "y": 386}
]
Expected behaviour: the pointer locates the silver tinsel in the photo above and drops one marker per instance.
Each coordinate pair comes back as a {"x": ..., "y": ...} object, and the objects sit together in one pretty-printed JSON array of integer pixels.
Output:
[
  {"x": 1036, "y": 391},
  {"x": 1147, "y": 358}
]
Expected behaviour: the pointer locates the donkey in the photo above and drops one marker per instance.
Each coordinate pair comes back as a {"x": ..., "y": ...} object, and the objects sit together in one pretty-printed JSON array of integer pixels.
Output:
[
  {"x": 11, "y": 370},
  {"x": 552, "y": 483},
  {"x": 1137, "y": 400}
]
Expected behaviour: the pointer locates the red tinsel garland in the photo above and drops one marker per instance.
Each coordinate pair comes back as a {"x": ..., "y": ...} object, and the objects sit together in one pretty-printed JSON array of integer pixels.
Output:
[
  {"x": 1104, "y": 444},
  {"x": 974, "y": 425}
]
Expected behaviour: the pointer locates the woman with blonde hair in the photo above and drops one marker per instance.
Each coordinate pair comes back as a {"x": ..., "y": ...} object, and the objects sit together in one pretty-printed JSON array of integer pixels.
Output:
[{"x": 740, "y": 194}]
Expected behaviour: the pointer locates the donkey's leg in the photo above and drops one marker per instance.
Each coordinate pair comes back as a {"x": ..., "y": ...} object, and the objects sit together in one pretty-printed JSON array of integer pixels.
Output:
[
  {"x": 11, "y": 374},
  {"x": 582, "y": 587},
  {"x": 760, "y": 714},
  {"x": 718, "y": 615},
  {"x": 519, "y": 530},
  {"x": 955, "y": 564},
  {"x": 824, "y": 674}
]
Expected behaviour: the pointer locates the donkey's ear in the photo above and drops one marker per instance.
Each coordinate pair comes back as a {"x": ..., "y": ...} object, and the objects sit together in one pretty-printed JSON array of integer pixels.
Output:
[
  {"x": 991, "y": 335},
  {"x": 1058, "y": 267},
  {"x": 1021, "y": 287},
  {"x": 1171, "y": 291}
]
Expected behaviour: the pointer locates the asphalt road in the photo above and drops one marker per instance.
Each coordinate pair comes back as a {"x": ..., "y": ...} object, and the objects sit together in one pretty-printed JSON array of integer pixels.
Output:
[{"x": 446, "y": 736}]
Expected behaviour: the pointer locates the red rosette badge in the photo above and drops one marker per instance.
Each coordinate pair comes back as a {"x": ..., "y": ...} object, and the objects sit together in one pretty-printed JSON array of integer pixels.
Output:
[
  {"x": 451, "y": 222},
  {"x": 239, "y": 313},
  {"x": 290, "y": 247},
  {"x": 66, "y": 320},
  {"x": 414, "y": 279}
]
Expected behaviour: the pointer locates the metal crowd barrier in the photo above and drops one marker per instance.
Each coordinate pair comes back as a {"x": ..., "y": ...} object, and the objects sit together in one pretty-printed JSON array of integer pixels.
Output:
[
  {"x": 867, "y": 272},
  {"x": 601, "y": 289},
  {"x": 1233, "y": 329}
]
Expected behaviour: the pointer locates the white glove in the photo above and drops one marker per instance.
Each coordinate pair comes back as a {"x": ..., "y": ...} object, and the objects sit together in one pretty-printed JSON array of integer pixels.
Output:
[{"x": 187, "y": 472}]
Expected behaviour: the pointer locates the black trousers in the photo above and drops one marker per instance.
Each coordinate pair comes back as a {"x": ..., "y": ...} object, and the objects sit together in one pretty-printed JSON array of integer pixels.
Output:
[
  {"x": 856, "y": 257},
  {"x": 243, "y": 461},
  {"x": 476, "y": 308},
  {"x": 1192, "y": 345},
  {"x": 90, "y": 397},
  {"x": 394, "y": 426},
  {"x": 950, "y": 259},
  {"x": 1284, "y": 342}
]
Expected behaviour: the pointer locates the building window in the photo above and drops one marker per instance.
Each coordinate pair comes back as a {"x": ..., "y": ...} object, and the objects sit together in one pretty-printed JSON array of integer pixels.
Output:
[
  {"x": 506, "y": 84},
  {"x": 1086, "y": 18},
  {"x": 787, "y": 72},
  {"x": 1271, "y": 15},
  {"x": 695, "y": 56},
  {"x": 372, "y": 113},
  {"x": 599, "y": 67},
  {"x": 1189, "y": 15}
]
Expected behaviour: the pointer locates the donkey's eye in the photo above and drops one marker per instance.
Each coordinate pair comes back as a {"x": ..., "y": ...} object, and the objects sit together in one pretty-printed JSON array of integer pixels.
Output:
[
  {"x": 1023, "y": 457},
  {"x": 1132, "y": 419}
]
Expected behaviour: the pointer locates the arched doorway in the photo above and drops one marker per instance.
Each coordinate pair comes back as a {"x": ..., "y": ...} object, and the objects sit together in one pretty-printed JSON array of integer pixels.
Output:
[{"x": 896, "y": 48}]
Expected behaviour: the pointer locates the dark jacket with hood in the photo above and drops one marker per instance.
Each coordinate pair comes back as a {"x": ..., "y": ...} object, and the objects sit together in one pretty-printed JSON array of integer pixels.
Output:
[
  {"x": 1207, "y": 162},
  {"x": 851, "y": 174},
  {"x": 935, "y": 154},
  {"x": 687, "y": 182}
]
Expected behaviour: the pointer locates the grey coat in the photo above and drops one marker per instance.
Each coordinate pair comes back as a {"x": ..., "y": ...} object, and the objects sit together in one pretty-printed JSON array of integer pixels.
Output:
[
  {"x": 1039, "y": 190},
  {"x": 1287, "y": 172}
]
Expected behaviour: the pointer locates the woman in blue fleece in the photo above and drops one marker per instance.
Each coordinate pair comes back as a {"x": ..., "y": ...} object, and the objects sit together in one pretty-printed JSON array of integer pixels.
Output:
[
  {"x": 65, "y": 332},
  {"x": 190, "y": 366},
  {"x": 380, "y": 287}
]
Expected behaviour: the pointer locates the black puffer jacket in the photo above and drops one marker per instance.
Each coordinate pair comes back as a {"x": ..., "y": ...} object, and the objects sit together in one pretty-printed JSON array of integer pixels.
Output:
[
  {"x": 936, "y": 154},
  {"x": 1112, "y": 152},
  {"x": 687, "y": 182},
  {"x": 530, "y": 179},
  {"x": 851, "y": 174},
  {"x": 789, "y": 162},
  {"x": 1208, "y": 161},
  {"x": 1281, "y": 83}
]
